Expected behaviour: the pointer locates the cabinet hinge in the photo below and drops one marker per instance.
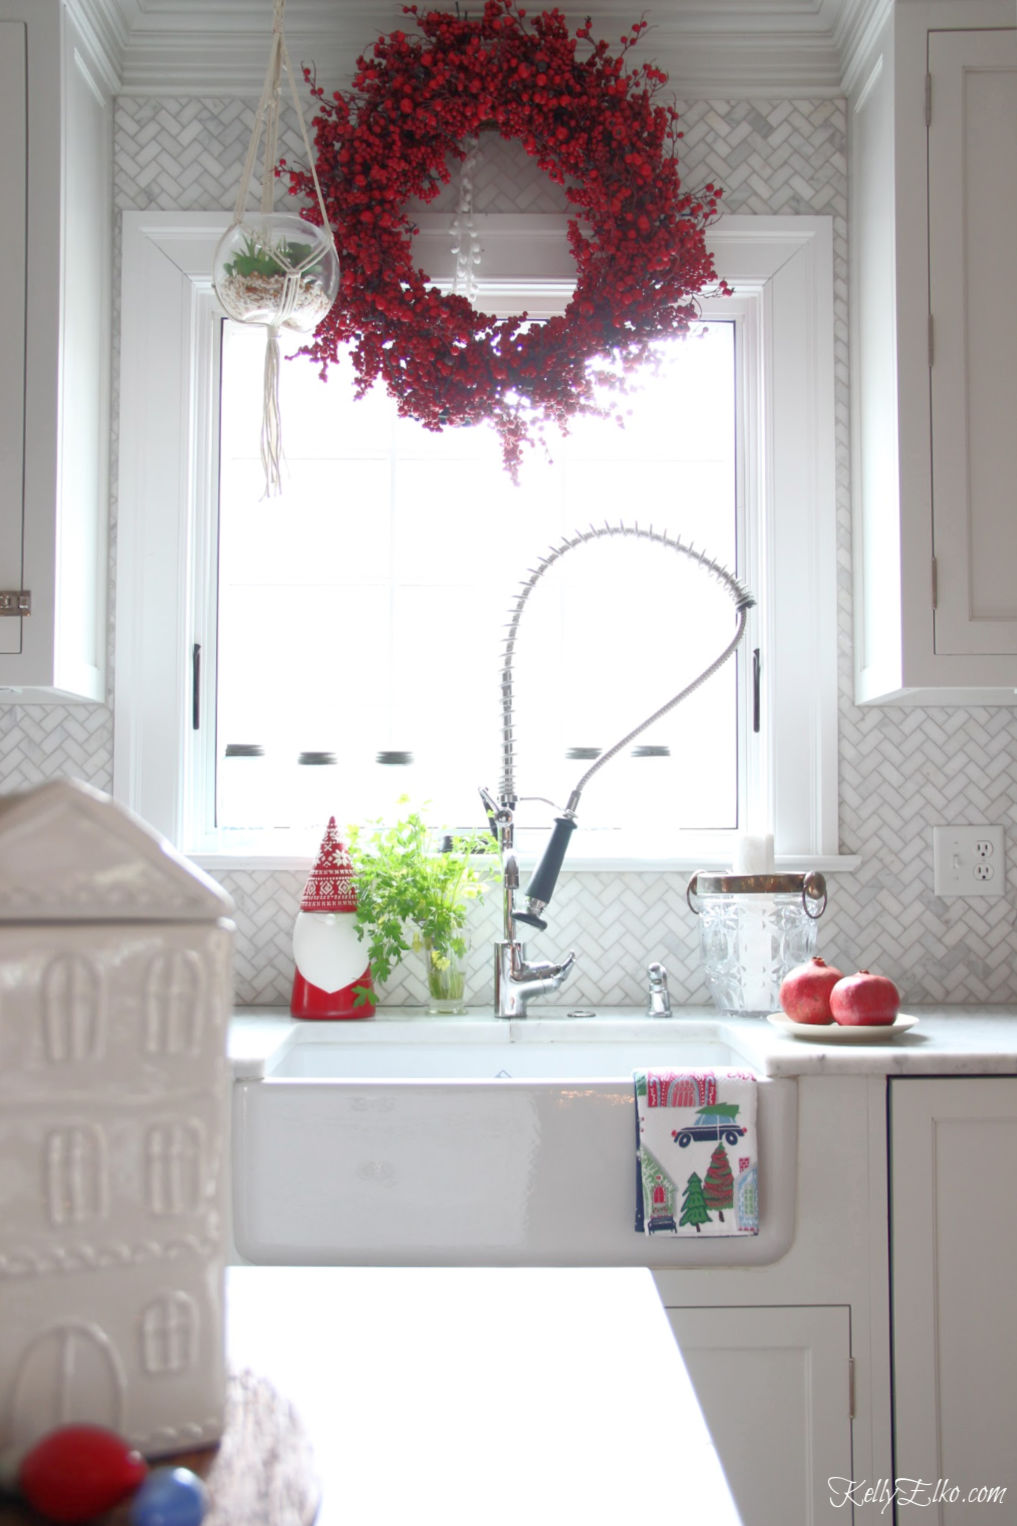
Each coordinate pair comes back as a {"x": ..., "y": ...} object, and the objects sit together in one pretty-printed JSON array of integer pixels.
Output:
[
  {"x": 935, "y": 584},
  {"x": 16, "y": 601},
  {"x": 928, "y": 100},
  {"x": 851, "y": 1388}
]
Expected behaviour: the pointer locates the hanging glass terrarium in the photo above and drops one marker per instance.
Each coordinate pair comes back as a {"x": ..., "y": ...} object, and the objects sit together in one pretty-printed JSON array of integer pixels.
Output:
[
  {"x": 273, "y": 269},
  {"x": 277, "y": 270}
]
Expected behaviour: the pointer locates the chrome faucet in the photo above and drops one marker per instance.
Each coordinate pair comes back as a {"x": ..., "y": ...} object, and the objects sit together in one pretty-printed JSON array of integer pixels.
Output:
[
  {"x": 515, "y": 981},
  {"x": 659, "y": 1004}
]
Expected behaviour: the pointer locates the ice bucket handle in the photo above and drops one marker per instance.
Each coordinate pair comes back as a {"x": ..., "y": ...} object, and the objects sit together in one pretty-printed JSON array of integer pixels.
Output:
[{"x": 811, "y": 887}]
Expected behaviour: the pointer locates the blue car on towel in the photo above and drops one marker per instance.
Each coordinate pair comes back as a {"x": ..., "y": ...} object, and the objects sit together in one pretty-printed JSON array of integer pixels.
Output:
[{"x": 717, "y": 1121}]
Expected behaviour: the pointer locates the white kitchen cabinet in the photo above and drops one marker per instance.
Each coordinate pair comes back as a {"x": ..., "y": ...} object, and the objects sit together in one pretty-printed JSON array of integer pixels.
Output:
[
  {"x": 13, "y": 174},
  {"x": 774, "y": 1385},
  {"x": 953, "y": 1255},
  {"x": 56, "y": 182},
  {"x": 933, "y": 219}
]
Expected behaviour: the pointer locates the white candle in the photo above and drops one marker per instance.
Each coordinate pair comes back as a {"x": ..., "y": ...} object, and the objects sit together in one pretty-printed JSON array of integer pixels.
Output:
[{"x": 753, "y": 855}]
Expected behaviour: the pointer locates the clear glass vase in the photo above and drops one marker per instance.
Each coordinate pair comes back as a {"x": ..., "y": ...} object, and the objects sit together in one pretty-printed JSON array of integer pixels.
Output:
[{"x": 445, "y": 973}]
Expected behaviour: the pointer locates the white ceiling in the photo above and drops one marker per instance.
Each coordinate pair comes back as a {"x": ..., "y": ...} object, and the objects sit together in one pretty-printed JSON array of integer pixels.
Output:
[{"x": 707, "y": 47}]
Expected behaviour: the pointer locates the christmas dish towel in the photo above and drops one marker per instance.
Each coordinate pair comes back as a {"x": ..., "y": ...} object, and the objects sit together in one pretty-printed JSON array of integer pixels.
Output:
[{"x": 696, "y": 1166}]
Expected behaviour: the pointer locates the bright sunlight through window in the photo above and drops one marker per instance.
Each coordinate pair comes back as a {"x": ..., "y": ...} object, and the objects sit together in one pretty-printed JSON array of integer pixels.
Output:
[{"x": 361, "y": 614}]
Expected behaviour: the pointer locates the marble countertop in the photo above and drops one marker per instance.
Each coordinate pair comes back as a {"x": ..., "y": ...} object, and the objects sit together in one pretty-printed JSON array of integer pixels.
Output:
[
  {"x": 417, "y": 1387},
  {"x": 945, "y": 1040}
]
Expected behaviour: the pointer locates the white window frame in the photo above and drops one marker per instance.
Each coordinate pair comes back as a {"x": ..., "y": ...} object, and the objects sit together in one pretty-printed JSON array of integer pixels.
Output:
[{"x": 782, "y": 271}]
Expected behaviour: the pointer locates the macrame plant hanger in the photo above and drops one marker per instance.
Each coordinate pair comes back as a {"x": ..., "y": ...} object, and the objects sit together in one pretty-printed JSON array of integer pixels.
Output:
[{"x": 274, "y": 269}]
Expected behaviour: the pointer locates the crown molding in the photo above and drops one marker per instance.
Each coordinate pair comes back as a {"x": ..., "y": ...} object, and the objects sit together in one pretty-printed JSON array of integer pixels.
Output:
[
  {"x": 101, "y": 25},
  {"x": 710, "y": 49},
  {"x": 860, "y": 25},
  {"x": 698, "y": 66}
]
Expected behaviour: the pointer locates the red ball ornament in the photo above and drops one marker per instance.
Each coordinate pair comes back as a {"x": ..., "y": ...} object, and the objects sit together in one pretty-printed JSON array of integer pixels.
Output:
[{"x": 77, "y": 1472}]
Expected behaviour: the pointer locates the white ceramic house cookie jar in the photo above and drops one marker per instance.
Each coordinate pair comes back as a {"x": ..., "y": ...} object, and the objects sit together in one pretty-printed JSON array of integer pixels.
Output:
[{"x": 115, "y": 990}]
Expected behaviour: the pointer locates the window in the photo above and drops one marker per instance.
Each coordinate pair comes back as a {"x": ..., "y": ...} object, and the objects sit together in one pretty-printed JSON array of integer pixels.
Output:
[
  {"x": 174, "y": 1164},
  {"x": 169, "y": 1334},
  {"x": 777, "y": 335},
  {"x": 72, "y": 1009},
  {"x": 174, "y": 991},
  {"x": 76, "y": 1174}
]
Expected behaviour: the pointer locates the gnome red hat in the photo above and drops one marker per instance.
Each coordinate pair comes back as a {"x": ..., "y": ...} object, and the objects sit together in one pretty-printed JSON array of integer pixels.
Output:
[{"x": 330, "y": 884}]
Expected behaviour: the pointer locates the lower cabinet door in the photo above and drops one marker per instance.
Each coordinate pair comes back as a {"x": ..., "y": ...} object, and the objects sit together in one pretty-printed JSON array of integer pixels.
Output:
[
  {"x": 774, "y": 1385},
  {"x": 954, "y": 1283}
]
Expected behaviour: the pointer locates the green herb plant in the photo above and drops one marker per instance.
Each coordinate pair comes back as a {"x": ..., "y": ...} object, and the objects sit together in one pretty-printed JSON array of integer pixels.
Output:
[{"x": 414, "y": 893}]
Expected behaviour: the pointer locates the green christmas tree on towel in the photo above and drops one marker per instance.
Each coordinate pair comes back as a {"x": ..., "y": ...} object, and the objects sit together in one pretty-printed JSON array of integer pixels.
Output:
[
  {"x": 718, "y": 1188},
  {"x": 694, "y": 1209}
]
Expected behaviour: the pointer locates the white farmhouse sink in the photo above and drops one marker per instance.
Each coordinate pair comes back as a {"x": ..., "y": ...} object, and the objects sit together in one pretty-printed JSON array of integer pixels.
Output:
[
  {"x": 490, "y": 1062},
  {"x": 443, "y": 1141}
]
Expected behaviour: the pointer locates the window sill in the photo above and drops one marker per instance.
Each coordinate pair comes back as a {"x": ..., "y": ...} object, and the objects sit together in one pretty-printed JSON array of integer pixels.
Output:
[{"x": 279, "y": 863}]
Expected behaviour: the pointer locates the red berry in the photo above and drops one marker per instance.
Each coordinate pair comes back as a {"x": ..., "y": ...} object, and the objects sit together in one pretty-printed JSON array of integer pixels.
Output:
[{"x": 78, "y": 1471}]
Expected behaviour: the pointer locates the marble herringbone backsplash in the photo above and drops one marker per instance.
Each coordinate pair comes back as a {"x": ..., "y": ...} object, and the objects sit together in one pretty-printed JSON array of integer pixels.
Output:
[
  {"x": 901, "y": 770},
  {"x": 883, "y": 916}
]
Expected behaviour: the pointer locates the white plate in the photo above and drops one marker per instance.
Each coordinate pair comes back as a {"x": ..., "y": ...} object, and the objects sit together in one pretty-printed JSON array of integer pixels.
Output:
[{"x": 842, "y": 1033}]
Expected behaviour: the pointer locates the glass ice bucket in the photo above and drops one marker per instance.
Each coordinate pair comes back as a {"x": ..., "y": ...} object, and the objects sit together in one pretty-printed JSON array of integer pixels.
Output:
[{"x": 753, "y": 929}]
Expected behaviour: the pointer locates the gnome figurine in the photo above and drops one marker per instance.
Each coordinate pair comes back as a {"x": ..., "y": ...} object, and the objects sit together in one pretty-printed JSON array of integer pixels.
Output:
[{"x": 328, "y": 954}]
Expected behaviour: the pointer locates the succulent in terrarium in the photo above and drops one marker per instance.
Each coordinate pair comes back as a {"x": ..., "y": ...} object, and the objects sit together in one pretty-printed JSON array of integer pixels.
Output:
[{"x": 258, "y": 259}]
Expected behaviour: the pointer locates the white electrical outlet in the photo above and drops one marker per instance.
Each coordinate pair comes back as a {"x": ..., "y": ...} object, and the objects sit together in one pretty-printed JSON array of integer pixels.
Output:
[{"x": 968, "y": 861}]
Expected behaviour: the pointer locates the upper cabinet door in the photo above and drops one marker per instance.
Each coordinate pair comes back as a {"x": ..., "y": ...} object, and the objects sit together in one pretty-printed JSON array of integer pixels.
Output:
[
  {"x": 972, "y": 242},
  {"x": 933, "y": 228},
  {"x": 13, "y": 233},
  {"x": 56, "y": 183}
]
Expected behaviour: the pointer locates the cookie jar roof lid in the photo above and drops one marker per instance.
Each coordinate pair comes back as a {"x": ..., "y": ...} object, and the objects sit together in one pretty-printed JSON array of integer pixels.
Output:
[{"x": 69, "y": 853}]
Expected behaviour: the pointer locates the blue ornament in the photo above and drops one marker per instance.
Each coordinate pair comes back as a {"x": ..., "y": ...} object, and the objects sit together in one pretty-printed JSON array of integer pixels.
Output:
[{"x": 169, "y": 1497}]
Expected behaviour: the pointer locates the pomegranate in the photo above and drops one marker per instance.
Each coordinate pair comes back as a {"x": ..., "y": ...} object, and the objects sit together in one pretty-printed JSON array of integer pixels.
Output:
[
  {"x": 805, "y": 991},
  {"x": 865, "y": 999}
]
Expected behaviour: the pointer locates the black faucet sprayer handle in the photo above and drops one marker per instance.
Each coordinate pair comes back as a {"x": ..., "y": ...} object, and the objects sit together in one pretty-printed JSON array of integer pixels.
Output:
[{"x": 545, "y": 876}]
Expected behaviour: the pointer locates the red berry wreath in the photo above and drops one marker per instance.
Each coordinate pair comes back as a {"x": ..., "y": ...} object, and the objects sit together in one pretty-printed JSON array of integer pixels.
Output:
[{"x": 637, "y": 238}]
